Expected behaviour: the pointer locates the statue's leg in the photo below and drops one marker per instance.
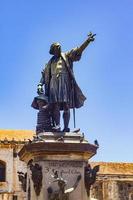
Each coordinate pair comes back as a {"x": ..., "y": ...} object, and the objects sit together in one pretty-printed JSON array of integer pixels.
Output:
[
  {"x": 56, "y": 116},
  {"x": 66, "y": 117}
]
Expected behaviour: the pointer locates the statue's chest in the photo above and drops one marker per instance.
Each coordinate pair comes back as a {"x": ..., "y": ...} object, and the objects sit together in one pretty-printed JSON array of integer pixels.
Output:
[{"x": 58, "y": 66}]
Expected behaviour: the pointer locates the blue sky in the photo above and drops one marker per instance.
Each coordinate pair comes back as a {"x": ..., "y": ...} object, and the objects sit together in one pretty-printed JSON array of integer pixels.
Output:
[{"x": 105, "y": 72}]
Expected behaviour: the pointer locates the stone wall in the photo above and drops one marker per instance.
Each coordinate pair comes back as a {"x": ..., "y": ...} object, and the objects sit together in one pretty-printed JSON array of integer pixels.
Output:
[
  {"x": 112, "y": 190},
  {"x": 11, "y": 188},
  {"x": 11, "y": 141},
  {"x": 125, "y": 190},
  {"x": 114, "y": 182}
]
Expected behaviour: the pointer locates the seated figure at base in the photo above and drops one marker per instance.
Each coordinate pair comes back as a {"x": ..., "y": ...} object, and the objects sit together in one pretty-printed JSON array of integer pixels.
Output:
[
  {"x": 44, "y": 118},
  {"x": 61, "y": 193}
]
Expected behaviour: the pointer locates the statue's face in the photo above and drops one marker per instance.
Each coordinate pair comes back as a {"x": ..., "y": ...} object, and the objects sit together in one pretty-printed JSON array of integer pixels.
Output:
[{"x": 55, "y": 49}]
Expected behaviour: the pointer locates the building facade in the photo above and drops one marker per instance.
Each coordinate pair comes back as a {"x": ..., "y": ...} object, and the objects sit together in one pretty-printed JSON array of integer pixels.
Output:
[
  {"x": 10, "y": 144},
  {"x": 114, "y": 180}
]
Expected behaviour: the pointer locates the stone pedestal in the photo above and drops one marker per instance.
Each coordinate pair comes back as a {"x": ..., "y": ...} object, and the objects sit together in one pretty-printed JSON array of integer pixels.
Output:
[{"x": 54, "y": 157}]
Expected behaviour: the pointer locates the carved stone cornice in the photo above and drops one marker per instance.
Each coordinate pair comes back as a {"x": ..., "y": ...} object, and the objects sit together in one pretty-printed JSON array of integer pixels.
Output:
[{"x": 86, "y": 150}]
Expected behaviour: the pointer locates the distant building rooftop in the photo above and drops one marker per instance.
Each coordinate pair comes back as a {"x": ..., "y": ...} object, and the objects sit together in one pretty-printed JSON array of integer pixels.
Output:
[
  {"x": 17, "y": 135},
  {"x": 114, "y": 168}
]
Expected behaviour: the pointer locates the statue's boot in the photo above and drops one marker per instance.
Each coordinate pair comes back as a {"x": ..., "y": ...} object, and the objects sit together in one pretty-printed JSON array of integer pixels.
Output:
[{"x": 66, "y": 118}]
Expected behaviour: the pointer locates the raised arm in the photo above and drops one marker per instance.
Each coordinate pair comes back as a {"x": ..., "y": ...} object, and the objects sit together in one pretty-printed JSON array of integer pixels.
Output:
[
  {"x": 86, "y": 43},
  {"x": 75, "y": 54}
]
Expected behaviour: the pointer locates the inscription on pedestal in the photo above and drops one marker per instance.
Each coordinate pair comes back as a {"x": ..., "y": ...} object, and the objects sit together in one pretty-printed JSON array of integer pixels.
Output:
[
  {"x": 63, "y": 167},
  {"x": 66, "y": 172}
]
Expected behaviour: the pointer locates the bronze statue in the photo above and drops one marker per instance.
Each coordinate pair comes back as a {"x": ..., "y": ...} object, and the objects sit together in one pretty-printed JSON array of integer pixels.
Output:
[
  {"x": 90, "y": 177},
  {"x": 36, "y": 176},
  {"x": 62, "y": 193},
  {"x": 23, "y": 179},
  {"x": 60, "y": 85}
]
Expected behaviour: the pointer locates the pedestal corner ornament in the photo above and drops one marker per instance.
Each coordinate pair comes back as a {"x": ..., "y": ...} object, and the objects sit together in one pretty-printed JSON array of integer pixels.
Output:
[
  {"x": 36, "y": 176},
  {"x": 23, "y": 179}
]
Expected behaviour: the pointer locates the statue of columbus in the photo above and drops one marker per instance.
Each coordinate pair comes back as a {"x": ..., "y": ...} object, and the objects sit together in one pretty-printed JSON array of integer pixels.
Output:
[{"x": 61, "y": 87}]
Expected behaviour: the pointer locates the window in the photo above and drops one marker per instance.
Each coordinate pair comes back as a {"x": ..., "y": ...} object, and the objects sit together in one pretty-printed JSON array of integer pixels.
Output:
[{"x": 2, "y": 171}]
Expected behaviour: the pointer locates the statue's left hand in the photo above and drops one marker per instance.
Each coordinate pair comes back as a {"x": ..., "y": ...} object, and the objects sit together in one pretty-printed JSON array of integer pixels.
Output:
[{"x": 40, "y": 89}]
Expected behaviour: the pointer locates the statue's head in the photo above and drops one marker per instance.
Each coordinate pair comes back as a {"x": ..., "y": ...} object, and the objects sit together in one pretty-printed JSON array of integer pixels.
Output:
[
  {"x": 39, "y": 101},
  {"x": 55, "y": 49}
]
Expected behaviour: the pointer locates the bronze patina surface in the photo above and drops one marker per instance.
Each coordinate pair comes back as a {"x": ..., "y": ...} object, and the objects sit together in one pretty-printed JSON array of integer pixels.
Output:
[{"x": 61, "y": 88}]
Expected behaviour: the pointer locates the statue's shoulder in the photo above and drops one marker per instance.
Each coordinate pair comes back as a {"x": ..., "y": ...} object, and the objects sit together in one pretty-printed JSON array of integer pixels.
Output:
[
  {"x": 51, "y": 60},
  {"x": 48, "y": 65},
  {"x": 64, "y": 55}
]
